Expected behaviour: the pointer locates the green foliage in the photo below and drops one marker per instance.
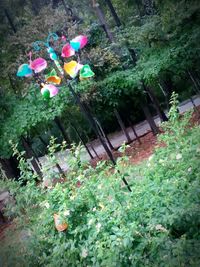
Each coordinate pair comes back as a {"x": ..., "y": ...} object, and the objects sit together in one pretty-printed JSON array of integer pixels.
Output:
[
  {"x": 51, "y": 173},
  {"x": 28, "y": 113},
  {"x": 154, "y": 225},
  {"x": 166, "y": 44}
]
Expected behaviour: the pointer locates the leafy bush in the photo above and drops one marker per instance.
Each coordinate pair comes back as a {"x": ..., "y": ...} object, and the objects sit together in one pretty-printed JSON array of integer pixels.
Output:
[{"x": 157, "y": 224}]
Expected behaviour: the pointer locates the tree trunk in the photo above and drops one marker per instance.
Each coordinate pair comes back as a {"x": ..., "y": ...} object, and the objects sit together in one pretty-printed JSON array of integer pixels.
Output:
[
  {"x": 10, "y": 167},
  {"x": 195, "y": 82},
  {"x": 149, "y": 8},
  {"x": 119, "y": 119},
  {"x": 86, "y": 111},
  {"x": 60, "y": 170},
  {"x": 29, "y": 154},
  {"x": 35, "y": 8},
  {"x": 149, "y": 118},
  {"x": 133, "y": 56},
  {"x": 139, "y": 8},
  {"x": 114, "y": 13},
  {"x": 81, "y": 139},
  {"x": 167, "y": 87},
  {"x": 195, "y": 107},
  {"x": 84, "y": 108},
  {"x": 34, "y": 153},
  {"x": 2, "y": 218},
  {"x": 102, "y": 20},
  {"x": 156, "y": 103},
  {"x": 10, "y": 20},
  {"x": 103, "y": 133},
  {"x": 61, "y": 128},
  {"x": 68, "y": 10},
  {"x": 46, "y": 151},
  {"x": 92, "y": 147},
  {"x": 43, "y": 142},
  {"x": 79, "y": 136},
  {"x": 165, "y": 96},
  {"x": 134, "y": 131}
]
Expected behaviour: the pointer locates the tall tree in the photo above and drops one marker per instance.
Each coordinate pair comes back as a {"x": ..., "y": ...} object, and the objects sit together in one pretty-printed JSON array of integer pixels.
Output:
[
  {"x": 113, "y": 12},
  {"x": 102, "y": 20},
  {"x": 8, "y": 16}
]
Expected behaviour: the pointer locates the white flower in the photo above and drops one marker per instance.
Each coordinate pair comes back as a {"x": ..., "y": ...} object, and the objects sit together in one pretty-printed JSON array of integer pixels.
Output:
[
  {"x": 98, "y": 227},
  {"x": 84, "y": 253},
  {"x": 66, "y": 213},
  {"x": 160, "y": 228},
  {"x": 72, "y": 197},
  {"x": 151, "y": 157},
  {"x": 90, "y": 221},
  {"x": 45, "y": 204},
  {"x": 148, "y": 164},
  {"x": 178, "y": 156},
  {"x": 94, "y": 209},
  {"x": 189, "y": 169},
  {"x": 99, "y": 186}
]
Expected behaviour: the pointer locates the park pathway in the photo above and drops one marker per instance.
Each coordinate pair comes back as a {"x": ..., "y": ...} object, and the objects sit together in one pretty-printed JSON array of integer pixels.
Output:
[{"x": 118, "y": 138}]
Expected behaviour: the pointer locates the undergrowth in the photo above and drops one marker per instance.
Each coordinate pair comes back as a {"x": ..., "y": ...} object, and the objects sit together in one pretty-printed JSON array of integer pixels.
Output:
[{"x": 155, "y": 225}]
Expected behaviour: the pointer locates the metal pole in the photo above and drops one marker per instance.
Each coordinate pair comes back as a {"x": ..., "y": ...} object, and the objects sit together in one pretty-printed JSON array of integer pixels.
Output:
[{"x": 89, "y": 117}]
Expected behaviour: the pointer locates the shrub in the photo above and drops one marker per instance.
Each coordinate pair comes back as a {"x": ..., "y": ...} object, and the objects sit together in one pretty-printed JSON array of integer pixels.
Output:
[{"x": 157, "y": 224}]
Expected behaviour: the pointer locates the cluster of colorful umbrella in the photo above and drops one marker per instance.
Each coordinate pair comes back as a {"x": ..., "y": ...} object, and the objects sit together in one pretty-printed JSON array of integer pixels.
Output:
[{"x": 72, "y": 68}]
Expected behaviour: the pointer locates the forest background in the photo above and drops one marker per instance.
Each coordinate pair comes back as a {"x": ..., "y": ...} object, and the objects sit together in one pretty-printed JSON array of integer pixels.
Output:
[{"x": 140, "y": 52}]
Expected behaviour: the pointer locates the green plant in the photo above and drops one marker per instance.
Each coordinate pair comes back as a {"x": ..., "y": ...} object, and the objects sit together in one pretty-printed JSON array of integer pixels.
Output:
[{"x": 157, "y": 224}]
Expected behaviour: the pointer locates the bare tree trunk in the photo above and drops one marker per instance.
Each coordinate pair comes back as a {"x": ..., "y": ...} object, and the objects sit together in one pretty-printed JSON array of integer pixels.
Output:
[
  {"x": 139, "y": 8},
  {"x": 102, "y": 20},
  {"x": 195, "y": 107},
  {"x": 61, "y": 128},
  {"x": 119, "y": 119},
  {"x": 34, "y": 153},
  {"x": 165, "y": 95},
  {"x": 10, "y": 20},
  {"x": 79, "y": 136},
  {"x": 167, "y": 88},
  {"x": 103, "y": 133},
  {"x": 134, "y": 131},
  {"x": 46, "y": 151},
  {"x": 9, "y": 166},
  {"x": 81, "y": 139},
  {"x": 92, "y": 147},
  {"x": 43, "y": 142},
  {"x": 156, "y": 103},
  {"x": 60, "y": 170},
  {"x": 149, "y": 118},
  {"x": 195, "y": 82},
  {"x": 133, "y": 56},
  {"x": 34, "y": 7},
  {"x": 68, "y": 10},
  {"x": 149, "y": 7},
  {"x": 113, "y": 12},
  {"x": 2, "y": 218},
  {"x": 29, "y": 154}
]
